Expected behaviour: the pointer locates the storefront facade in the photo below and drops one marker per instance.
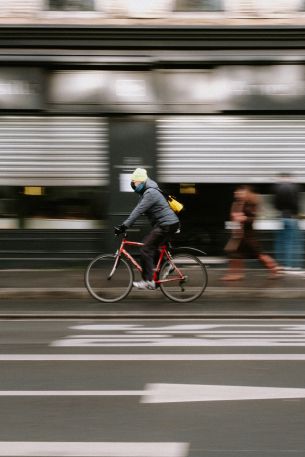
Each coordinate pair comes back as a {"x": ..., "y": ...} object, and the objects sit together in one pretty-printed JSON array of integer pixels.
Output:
[{"x": 201, "y": 109}]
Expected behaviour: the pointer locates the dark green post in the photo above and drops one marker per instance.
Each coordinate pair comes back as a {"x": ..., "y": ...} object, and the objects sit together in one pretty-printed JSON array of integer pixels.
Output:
[{"x": 132, "y": 144}]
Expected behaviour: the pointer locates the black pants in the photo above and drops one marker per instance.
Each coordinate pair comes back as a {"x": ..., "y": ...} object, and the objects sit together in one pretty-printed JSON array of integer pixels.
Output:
[{"x": 152, "y": 241}]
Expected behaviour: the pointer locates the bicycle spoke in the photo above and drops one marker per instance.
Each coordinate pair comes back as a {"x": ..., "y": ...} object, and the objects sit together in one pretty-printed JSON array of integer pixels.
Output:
[
  {"x": 184, "y": 279},
  {"x": 106, "y": 283}
]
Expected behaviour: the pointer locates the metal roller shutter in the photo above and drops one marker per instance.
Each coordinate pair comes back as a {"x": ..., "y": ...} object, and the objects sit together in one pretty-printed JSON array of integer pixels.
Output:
[
  {"x": 230, "y": 149},
  {"x": 53, "y": 151}
]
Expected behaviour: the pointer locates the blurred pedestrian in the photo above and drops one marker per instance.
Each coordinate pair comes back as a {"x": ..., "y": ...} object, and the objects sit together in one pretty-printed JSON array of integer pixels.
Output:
[
  {"x": 243, "y": 242},
  {"x": 288, "y": 240}
]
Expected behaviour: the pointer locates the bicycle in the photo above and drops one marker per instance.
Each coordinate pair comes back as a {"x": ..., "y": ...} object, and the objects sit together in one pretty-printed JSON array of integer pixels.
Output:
[{"x": 180, "y": 275}]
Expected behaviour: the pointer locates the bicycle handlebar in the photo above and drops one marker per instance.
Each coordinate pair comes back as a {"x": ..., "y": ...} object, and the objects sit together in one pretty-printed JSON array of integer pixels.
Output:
[{"x": 118, "y": 232}]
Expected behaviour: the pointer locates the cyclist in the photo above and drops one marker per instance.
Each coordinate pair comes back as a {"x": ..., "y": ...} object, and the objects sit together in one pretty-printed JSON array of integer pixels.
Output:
[{"x": 163, "y": 219}]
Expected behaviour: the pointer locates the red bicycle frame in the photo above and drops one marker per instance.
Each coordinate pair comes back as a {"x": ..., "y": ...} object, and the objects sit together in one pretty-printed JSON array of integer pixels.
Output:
[{"x": 163, "y": 253}]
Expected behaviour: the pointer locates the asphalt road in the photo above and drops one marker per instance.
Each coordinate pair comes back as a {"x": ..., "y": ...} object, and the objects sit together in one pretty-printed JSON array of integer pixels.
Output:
[
  {"x": 250, "y": 306},
  {"x": 151, "y": 388}
]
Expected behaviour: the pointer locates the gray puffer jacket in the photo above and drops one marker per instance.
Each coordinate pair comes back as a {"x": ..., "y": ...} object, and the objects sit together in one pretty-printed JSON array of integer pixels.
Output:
[{"x": 154, "y": 205}]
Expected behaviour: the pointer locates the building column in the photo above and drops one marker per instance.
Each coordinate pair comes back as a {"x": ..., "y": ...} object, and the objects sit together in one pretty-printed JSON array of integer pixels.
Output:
[{"x": 131, "y": 145}]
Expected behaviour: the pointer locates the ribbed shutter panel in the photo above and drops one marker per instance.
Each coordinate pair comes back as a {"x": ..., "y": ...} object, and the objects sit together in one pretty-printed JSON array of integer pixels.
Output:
[
  {"x": 53, "y": 151},
  {"x": 235, "y": 149}
]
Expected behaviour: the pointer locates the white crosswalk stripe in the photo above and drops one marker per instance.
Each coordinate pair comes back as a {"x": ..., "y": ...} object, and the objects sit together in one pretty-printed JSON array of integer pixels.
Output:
[
  {"x": 92, "y": 449},
  {"x": 194, "y": 335}
]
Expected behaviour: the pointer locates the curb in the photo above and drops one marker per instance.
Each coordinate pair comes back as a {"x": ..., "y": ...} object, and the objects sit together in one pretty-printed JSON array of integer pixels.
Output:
[
  {"x": 43, "y": 292},
  {"x": 138, "y": 316},
  {"x": 211, "y": 292}
]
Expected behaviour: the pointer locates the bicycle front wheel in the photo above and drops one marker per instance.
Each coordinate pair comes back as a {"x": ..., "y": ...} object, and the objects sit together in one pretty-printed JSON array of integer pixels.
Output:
[
  {"x": 183, "y": 278},
  {"x": 106, "y": 283}
]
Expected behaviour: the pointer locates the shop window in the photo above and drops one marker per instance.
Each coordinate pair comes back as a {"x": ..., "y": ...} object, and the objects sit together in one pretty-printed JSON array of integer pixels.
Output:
[
  {"x": 7, "y": 202},
  {"x": 72, "y": 5},
  {"x": 65, "y": 203},
  {"x": 37, "y": 207},
  {"x": 199, "y": 5}
]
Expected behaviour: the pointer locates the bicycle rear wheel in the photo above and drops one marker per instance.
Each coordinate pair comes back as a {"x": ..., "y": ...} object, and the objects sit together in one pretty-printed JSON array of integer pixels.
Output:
[
  {"x": 106, "y": 284},
  {"x": 191, "y": 285}
]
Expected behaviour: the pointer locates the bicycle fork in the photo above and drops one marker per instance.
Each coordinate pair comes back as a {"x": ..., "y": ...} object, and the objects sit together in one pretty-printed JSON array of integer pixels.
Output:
[{"x": 116, "y": 261}]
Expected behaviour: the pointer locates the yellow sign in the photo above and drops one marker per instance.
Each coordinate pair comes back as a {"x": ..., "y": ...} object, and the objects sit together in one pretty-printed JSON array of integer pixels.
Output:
[
  {"x": 187, "y": 189},
  {"x": 33, "y": 190}
]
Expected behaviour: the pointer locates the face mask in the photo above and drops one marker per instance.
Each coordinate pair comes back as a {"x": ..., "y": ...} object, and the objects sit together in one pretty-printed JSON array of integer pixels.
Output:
[
  {"x": 138, "y": 189},
  {"x": 133, "y": 186}
]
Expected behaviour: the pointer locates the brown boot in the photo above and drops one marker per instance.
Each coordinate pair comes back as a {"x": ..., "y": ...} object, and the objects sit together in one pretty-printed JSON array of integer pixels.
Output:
[
  {"x": 235, "y": 271},
  {"x": 272, "y": 266}
]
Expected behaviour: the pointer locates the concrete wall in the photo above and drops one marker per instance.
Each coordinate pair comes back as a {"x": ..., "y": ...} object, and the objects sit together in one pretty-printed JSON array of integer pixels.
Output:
[
  {"x": 18, "y": 8},
  {"x": 156, "y": 8}
]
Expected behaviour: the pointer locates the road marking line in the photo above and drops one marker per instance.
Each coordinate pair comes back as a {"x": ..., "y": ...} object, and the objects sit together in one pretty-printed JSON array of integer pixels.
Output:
[
  {"x": 71, "y": 393},
  {"x": 92, "y": 449},
  {"x": 148, "y": 357},
  {"x": 172, "y": 393},
  {"x": 192, "y": 335}
]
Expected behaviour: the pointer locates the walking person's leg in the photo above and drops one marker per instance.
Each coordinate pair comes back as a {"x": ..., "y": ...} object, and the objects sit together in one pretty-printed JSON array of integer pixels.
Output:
[
  {"x": 279, "y": 245},
  {"x": 271, "y": 264},
  {"x": 254, "y": 248},
  {"x": 235, "y": 270},
  {"x": 296, "y": 247},
  {"x": 236, "y": 261},
  {"x": 300, "y": 247},
  {"x": 289, "y": 242}
]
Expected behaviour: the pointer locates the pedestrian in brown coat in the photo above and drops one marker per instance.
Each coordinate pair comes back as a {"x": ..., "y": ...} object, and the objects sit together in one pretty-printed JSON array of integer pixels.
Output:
[{"x": 243, "y": 242}]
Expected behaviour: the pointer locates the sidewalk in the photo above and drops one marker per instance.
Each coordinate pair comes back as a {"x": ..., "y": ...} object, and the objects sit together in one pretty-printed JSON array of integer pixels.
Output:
[{"x": 69, "y": 283}]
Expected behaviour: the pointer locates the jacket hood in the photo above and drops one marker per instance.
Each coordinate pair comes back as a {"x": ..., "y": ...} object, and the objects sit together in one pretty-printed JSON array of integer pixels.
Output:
[{"x": 150, "y": 184}]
